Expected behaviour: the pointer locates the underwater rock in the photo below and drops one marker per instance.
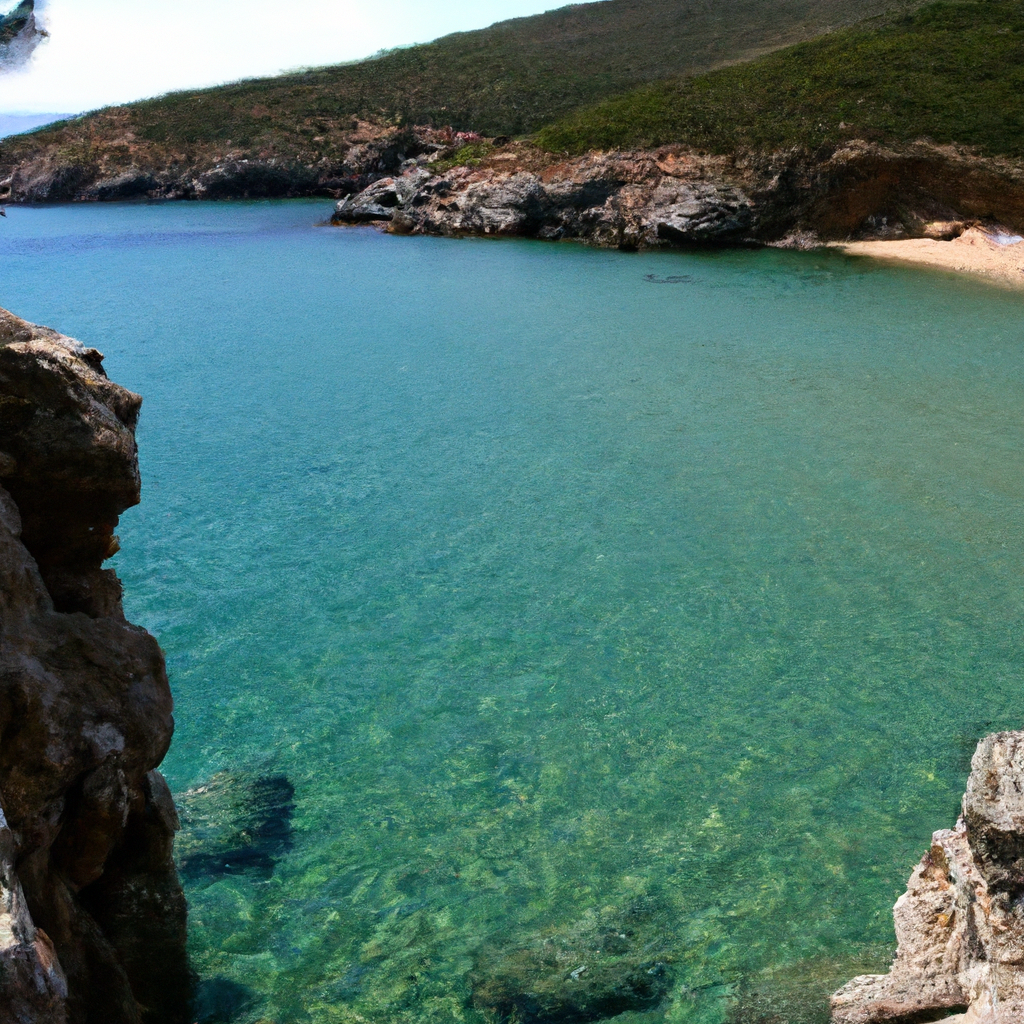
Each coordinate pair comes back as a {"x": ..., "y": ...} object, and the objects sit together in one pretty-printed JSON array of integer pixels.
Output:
[
  {"x": 960, "y": 924},
  {"x": 237, "y": 825},
  {"x": 93, "y": 914},
  {"x": 588, "y": 971},
  {"x": 221, "y": 1001}
]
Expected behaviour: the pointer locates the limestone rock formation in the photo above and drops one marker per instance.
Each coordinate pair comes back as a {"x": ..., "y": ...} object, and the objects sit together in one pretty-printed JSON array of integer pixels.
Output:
[
  {"x": 92, "y": 917},
  {"x": 960, "y": 924}
]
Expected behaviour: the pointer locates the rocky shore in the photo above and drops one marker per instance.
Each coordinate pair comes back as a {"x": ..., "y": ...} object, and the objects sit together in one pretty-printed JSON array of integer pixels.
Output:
[
  {"x": 422, "y": 180},
  {"x": 960, "y": 924},
  {"x": 92, "y": 917},
  {"x": 675, "y": 195}
]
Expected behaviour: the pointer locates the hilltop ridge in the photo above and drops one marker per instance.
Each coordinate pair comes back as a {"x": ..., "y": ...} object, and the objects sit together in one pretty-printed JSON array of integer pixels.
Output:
[
  {"x": 902, "y": 126},
  {"x": 509, "y": 79}
]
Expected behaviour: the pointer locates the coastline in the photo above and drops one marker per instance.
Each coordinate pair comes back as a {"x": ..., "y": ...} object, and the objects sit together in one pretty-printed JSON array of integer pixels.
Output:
[{"x": 974, "y": 253}]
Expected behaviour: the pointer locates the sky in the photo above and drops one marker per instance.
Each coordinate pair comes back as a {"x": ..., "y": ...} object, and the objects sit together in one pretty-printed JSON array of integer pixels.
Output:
[{"x": 111, "y": 51}]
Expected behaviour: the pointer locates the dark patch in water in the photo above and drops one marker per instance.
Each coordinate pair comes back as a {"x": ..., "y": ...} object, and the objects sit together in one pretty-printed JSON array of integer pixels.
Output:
[
  {"x": 590, "y": 970},
  {"x": 255, "y": 827},
  {"x": 221, "y": 1001},
  {"x": 671, "y": 279}
]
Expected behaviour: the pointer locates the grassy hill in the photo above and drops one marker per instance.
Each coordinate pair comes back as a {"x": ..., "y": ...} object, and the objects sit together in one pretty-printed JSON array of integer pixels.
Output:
[
  {"x": 509, "y": 79},
  {"x": 948, "y": 72}
]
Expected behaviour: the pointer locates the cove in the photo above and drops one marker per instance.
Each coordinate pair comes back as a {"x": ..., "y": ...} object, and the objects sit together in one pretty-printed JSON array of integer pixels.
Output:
[{"x": 532, "y": 608}]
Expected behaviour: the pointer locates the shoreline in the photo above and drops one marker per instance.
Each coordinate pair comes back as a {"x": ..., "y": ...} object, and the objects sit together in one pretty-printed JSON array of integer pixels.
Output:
[{"x": 975, "y": 253}]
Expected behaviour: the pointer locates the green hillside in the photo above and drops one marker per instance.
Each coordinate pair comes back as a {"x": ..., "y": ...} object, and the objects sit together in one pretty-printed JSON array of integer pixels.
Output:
[
  {"x": 509, "y": 79},
  {"x": 950, "y": 72}
]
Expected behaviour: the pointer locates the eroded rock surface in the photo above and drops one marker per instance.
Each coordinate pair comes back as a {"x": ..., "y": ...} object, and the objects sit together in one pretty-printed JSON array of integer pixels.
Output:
[
  {"x": 960, "y": 924},
  {"x": 677, "y": 196},
  {"x": 92, "y": 918}
]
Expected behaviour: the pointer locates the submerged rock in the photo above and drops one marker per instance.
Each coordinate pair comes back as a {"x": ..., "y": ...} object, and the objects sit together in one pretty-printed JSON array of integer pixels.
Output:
[
  {"x": 237, "y": 825},
  {"x": 92, "y": 918},
  {"x": 588, "y": 971},
  {"x": 960, "y": 924}
]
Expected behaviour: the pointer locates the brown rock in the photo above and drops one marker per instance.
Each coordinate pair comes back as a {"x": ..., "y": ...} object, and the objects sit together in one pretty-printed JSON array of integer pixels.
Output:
[{"x": 87, "y": 882}]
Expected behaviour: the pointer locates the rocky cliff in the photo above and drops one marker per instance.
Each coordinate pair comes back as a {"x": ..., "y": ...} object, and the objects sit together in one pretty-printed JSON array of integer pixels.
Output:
[
  {"x": 676, "y": 195},
  {"x": 92, "y": 918},
  {"x": 960, "y": 924}
]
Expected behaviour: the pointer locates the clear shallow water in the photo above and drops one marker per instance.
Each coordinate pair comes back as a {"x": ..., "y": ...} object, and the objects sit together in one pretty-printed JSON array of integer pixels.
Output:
[{"x": 554, "y": 591}]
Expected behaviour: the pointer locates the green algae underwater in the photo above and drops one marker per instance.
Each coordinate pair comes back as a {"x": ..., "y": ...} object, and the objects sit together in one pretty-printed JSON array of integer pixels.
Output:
[{"x": 545, "y": 619}]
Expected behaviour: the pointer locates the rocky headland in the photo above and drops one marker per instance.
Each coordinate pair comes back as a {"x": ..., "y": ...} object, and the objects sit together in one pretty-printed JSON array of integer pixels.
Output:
[
  {"x": 92, "y": 916},
  {"x": 960, "y": 924},
  {"x": 679, "y": 196}
]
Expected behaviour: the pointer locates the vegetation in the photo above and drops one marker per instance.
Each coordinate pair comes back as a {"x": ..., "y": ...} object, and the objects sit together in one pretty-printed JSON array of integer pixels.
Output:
[
  {"x": 949, "y": 72},
  {"x": 509, "y": 79}
]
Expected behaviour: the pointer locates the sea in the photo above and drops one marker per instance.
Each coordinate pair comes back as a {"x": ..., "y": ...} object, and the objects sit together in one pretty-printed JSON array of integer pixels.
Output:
[{"x": 555, "y": 633}]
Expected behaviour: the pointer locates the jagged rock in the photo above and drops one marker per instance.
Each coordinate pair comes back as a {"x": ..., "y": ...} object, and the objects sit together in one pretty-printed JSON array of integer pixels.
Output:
[
  {"x": 613, "y": 199},
  {"x": 85, "y": 709},
  {"x": 33, "y": 984},
  {"x": 69, "y": 436},
  {"x": 381, "y": 199},
  {"x": 960, "y": 925},
  {"x": 699, "y": 212},
  {"x": 50, "y": 181}
]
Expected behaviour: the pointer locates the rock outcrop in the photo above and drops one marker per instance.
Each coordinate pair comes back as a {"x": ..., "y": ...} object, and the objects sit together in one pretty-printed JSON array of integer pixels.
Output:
[
  {"x": 960, "y": 924},
  {"x": 348, "y": 161},
  {"x": 92, "y": 917},
  {"x": 677, "y": 196}
]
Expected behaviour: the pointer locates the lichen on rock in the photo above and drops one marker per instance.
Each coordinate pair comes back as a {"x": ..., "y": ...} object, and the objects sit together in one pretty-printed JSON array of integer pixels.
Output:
[{"x": 92, "y": 917}]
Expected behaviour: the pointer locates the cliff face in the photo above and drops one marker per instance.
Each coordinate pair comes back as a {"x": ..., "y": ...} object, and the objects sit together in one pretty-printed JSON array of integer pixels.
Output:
[
  {"x": 92, "y": 918},
  {"x": 960, "y": 924}
]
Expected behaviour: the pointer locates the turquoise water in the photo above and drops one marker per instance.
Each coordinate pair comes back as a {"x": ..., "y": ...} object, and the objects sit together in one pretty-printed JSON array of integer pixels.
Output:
[{"x": 555, "y": 591}]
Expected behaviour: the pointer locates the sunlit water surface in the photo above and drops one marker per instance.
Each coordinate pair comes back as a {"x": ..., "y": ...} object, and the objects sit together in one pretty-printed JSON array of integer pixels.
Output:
[{"x": 555, "y": 588}]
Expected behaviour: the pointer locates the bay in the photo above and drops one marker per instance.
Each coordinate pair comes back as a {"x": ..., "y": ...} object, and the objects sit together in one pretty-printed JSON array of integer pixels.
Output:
[{"x": 516, "y": 595}]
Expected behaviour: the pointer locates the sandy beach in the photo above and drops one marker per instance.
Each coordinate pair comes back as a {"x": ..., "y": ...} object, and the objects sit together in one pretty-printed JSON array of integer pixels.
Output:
[{"x": 994, "y": 256}]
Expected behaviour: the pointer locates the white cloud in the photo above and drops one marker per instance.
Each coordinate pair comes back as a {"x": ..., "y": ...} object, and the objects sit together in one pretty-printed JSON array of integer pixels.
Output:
[{"x": 112, "y": 51}]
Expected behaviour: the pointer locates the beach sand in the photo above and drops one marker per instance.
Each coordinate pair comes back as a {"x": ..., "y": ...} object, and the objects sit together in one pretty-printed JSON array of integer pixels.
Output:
[{"x": 974, "y": 252}]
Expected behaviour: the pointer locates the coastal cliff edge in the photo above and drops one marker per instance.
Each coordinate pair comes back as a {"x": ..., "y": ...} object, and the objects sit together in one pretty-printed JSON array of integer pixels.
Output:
[{"x": 92, "y": 917}]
